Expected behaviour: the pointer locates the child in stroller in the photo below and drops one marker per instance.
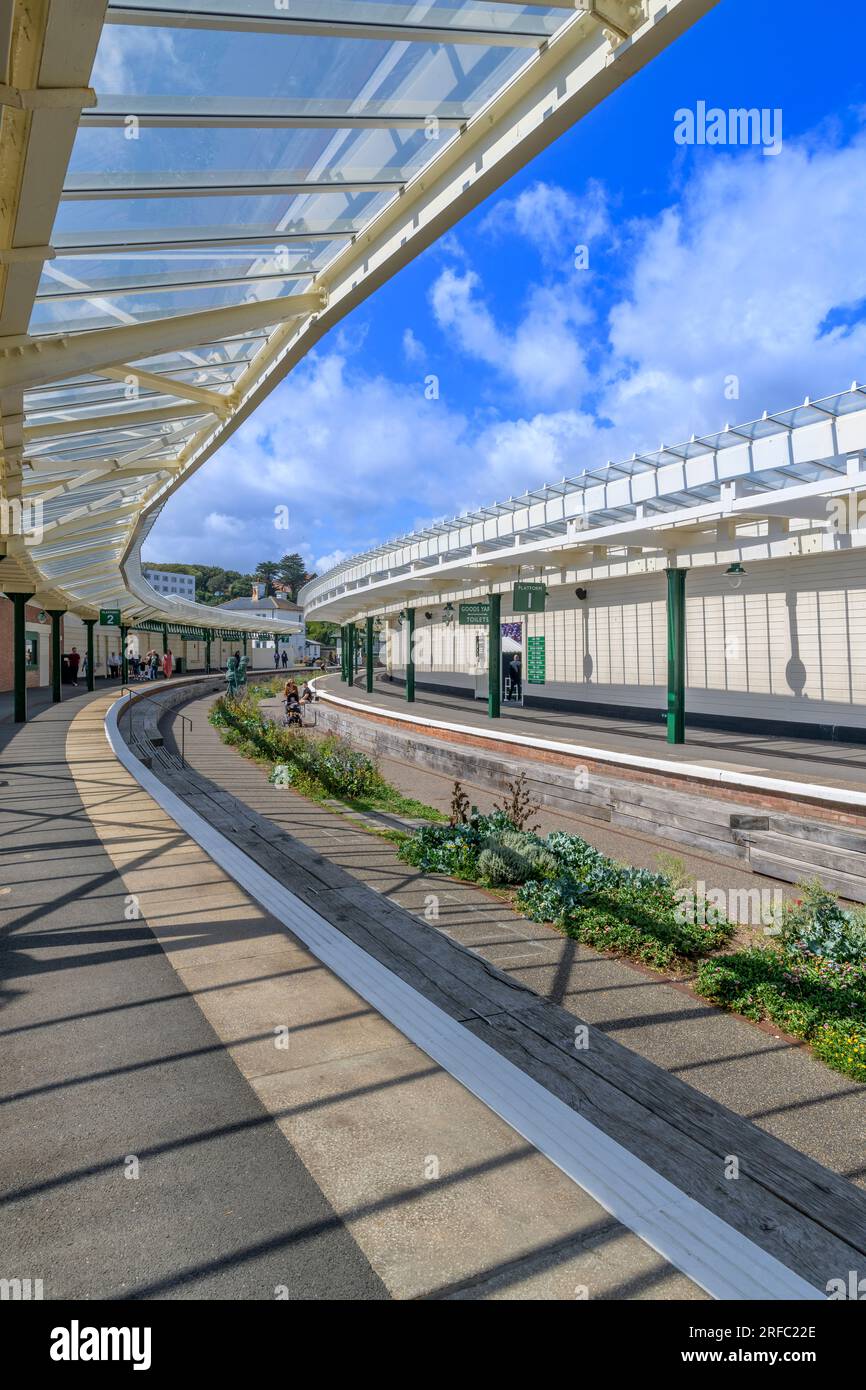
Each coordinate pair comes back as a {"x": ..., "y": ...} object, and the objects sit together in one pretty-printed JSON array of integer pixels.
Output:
[{"x": 292, "y": 704}]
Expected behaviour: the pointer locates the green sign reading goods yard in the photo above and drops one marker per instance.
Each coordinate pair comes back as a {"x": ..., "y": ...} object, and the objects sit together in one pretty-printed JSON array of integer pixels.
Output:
[
  {"x": 474, "y": 613},
  {"x": 535, "y": 660}
]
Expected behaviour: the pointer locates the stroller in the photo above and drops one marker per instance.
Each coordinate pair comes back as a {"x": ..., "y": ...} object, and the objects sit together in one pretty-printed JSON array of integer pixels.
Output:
[{"x": 293, "y": 717}]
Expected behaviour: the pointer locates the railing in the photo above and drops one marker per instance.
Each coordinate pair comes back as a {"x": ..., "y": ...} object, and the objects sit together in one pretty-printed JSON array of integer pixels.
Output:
[{"x": 184, "y": 720}]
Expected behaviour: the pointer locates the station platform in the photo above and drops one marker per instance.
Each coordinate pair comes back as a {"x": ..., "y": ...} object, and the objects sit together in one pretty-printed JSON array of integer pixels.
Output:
[{"x": 786, "y": 758}]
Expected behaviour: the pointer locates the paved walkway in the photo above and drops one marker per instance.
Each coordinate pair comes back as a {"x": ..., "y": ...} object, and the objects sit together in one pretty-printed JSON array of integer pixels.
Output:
[
  {"x": 752, "y": 1071},
  {"x": 160, "y": 1138},
  {"x": 136, "y": 1158},
  {"x": 798, "y": 759}
]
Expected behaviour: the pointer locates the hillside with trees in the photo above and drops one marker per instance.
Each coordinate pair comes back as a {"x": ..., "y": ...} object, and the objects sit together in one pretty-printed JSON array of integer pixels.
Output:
[{"x": 214, "y": 585}]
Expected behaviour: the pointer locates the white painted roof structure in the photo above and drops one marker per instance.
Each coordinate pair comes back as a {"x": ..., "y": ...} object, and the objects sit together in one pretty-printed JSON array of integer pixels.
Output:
[
  {"x": 244, "y": 174},
  {"x": 750, "y": 492}
]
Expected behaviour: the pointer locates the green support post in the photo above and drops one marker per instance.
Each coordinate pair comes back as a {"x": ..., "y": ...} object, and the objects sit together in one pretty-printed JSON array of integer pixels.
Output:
[
  {"x": 19, "y": 650},
  {"x": 207, "y": 653},
  {"x": 55, "y": 614},
  {"x": 494, "y": 655},
  {"x": 344, "y": 648},
  {"x": 245, "y": 644},
  {"x": 353, "y": 649},
  {"x": 676, "y": 614},
  {"x": 164, "y": 638},
  {"x": 124, "y": 659},
  {"x": 369, "y": 654},
  {"x": 410, "y": 654},
  {"x": 90, "y": 623}
]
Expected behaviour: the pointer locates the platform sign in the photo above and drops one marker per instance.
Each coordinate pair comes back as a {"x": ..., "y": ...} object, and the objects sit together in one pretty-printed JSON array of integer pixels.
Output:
[
  {"x": 535, "y": 669},
  {"x": 109, "y": 617},
  {"x": 474, "y": 613},
  {"x": 528, "y": 598}
]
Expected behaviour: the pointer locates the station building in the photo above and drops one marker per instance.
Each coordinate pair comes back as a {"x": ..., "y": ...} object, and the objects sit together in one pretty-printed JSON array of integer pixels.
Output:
[{"x": 721, "y": 581}]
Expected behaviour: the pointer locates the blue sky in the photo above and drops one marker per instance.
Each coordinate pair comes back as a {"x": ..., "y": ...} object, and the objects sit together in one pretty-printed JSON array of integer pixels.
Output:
[{"x": 721, "y": 282}]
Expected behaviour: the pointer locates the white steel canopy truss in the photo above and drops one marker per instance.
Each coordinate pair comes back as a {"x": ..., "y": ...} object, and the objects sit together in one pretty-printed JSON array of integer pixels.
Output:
[
  {"x": 243, "y": 175},
  {"x": 715, "y": 499}
]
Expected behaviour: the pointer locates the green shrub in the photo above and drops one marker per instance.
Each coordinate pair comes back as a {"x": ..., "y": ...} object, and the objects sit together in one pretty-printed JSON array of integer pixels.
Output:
[
  {"x": 499, "y": 864},
  {"x": 560, "y": 877},
  {"x": 816, "y": 926},
  {"x": 819, "y": 1001},
  {"x": 330, "y": 764}
]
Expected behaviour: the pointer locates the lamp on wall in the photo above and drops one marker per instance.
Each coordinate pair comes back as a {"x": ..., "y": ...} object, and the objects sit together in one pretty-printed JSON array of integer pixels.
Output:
[
  {"x": 735, "y": 574},
  {"x": 448, "y": 613}
]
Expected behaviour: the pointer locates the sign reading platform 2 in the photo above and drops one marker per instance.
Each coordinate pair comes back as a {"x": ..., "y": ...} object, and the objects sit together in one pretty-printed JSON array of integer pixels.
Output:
[{"x": 109, "y": 617}]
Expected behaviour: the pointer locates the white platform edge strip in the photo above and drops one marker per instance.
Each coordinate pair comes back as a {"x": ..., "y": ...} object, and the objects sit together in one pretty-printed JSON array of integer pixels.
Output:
[
  {"x": 726, "y": 1264},
  {"x": 840, "y": 796}
]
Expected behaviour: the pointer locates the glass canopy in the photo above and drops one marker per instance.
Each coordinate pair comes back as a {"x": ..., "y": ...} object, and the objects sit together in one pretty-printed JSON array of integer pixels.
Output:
[{"x": 234, "y": 151}]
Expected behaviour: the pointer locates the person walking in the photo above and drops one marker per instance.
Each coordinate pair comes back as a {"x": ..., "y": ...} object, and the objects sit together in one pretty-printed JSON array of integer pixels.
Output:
[
  {"x": 154, "y": 664},
  {"x": 167, "y": 662},
  {"x": 276, "y": 658},
  {"x": 285, "y": 658},
  {"x": 74, "y": 662}
]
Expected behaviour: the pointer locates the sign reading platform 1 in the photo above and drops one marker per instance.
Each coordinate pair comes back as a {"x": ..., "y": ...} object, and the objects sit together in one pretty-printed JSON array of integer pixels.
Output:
[
  {"x": 471, "y": 613},
  {"x": 535, "y": 660},
  {"x": 528, "y": 598},
  {"x": 109, "y": 617}
]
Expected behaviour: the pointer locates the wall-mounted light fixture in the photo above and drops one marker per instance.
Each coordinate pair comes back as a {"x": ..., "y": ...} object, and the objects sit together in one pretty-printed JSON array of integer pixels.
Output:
[
  {"x": 735, "y": 574},
  {"x": 580, "y": 593}
]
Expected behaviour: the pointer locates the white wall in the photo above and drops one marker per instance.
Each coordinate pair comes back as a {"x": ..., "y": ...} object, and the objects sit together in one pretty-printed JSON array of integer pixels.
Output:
[{"x": 789, "y": 644}]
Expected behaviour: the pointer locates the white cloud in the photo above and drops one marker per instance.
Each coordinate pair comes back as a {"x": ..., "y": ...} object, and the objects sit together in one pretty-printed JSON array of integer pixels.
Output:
[
  {"x": 413, "y": 350},
  {"x": 735, "y": 278},
  {"x": 218, "y": 524},
  {"x": 553, "y": 219},
  {"x": 738, "y": 279},
  {"x": 328, "y": 562},
  {"x": 542, "y": 356},
  {"x": 120, "y": 68}
]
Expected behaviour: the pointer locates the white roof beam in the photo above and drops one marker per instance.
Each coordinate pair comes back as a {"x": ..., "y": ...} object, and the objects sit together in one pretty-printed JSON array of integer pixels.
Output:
[
  {"x": 171, "y": 286},
  {"x": 219, "y": 404},
  {"x": 52, "y": 358},
  {"x": 258, "y": 117},
  {"x": 181, "y": 18},
  {"x": 122, "y": 420},
  {"x": 186, "y": 186},
  {"x": 214, "y": 242}
]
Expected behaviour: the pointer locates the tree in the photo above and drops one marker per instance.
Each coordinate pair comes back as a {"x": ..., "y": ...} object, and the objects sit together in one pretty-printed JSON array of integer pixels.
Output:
[
  {"x": 292, "y": 573},
  {"x": 322, "y": 632},
  {"x": 266, "y": 572}
]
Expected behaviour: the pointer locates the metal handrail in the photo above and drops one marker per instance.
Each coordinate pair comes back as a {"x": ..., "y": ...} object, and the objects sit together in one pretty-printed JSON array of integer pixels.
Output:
[
  {"x": 130, "y": 691},
  {"x": 184, "y": 721}
]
